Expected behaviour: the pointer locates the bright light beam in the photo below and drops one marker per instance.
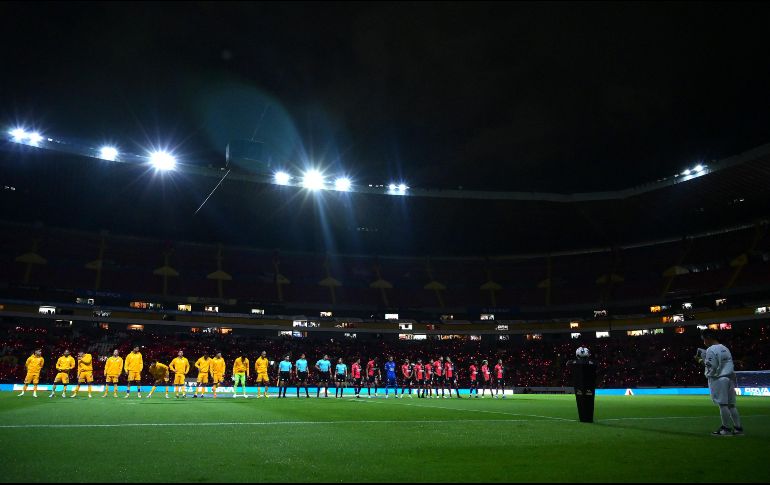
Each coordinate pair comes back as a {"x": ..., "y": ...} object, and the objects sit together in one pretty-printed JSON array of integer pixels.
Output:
[
  {"x": 342, "y": 184},
  {"x": 108, "y": 153},
  {"x": 282, "y": 178},
  {"x": 163, "y": 160},
  {"x": 313, "y": 180}
]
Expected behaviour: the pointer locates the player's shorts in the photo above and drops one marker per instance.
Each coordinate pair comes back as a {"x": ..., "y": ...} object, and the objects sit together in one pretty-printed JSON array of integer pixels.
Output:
[
  {"x": 357, "y": 381},
  {"x": 262, "y": 377},
  {"x": 500, "y": 382},
  {"x": 87, "y": 376},
  {"x": 339, "y": 378},
  {"x": 178, "y": 379},
  {"x": 302, "y": 377},
  {"x": 371, "y": 379},
  {"x": 239, "y": 379},
  {"x": 438, "y": 379},
  {"x": 451, "y": 381},
  {"x": 112, "y": 379},
  {"x": 134, "y": 376},
  {"x": 217, "y": 378},
  {"x": 62, "y": 377},
  {"x": 284, "y": 375},
  {"x": 392, "y": 382},
  {"x": 161, "y": 380},
  {"x": 474, "y": 382},
  {"x": 324, "y": 376},
  {"x": 486, "y": 382},
  {"x": 407, "y": 381},
  {"x": 722, "y": 390},
  {"x": 203, "y": 378},
  {"x": 32, "y": 378},
  {"x": 428, "y": 380}
]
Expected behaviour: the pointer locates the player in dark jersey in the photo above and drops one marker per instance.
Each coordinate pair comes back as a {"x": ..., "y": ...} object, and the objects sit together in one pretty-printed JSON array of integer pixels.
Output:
[
  {"x": 373, "y": 376},
  {"x": 473, "y": 371},
  {"x": 486, "y": 378},
  {"x": 428, "y": 390},
  {"x": 450, "y": 376},
  {"x": 438, "y": 375},
  {"x": 406, "y": 377},
  {"x": 390, "y": 376},
  {"x": 355, "y": 372},
  {"x": 499, "y": 378},
  {"x": 419, "y": 377}
]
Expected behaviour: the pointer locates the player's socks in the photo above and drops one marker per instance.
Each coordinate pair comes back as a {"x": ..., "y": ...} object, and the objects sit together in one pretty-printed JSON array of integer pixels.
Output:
[{"x": 735, "y": 417}]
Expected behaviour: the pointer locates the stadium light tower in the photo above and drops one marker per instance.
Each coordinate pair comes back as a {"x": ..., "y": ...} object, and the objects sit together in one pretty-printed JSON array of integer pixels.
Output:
[
  {"x": 313, "y": 180},
  {"x": 18, "y": 134},
  {"x": 108, "y": 153},
  {"x": 163, "y": 160}
]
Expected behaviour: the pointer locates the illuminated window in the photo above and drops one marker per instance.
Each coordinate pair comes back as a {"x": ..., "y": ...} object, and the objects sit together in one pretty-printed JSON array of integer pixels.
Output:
[
  {"x": 502, "y": 327},
  {"x": 487, "y": 316},
  {"x": 197, "y": 330},
  {"x": 600, "y": 313},
  {"x": 574, "y": 324},
  {"x": 63, "y": 323},
  {"x": 406, "y": 336},
  {"x": 677, "y": 318},
  {"x": 47, "y": 310},
  {"x": 391, "y": 316},
  {"x": 225, "y": 330},
  {"x": 296, "y": 334},
  {"x": 760, "y": 309},
  {"x": 104, "y": 326},
  {"x": 184, "y": 308},
  {"x": 136, "y": 328},
  {"x": 305, "y": 324},
  {"x": 404, "y": 326},
  {"x": 503, "y": 337},
  {"x": 534, "y": 336},
  {"x": 725, "y": 326},
  {"x": 475, "y": 337},
  {"x": 686, "y": 306},
  {"x": 430, "y": 326},
  {"x": 657, "y": 331},
  {"x": 326, "y": 314},
  {"x": 702, "y": 327},
  {"x": 720, "y": 301},
  {"x": 602, "y": 334},
  {"x": 285, "y": 333},
  {"x": 447, "y": 317},
  {"x": 637, "y": 333},
  {"x": 575, "y": 335},
  {"x": 257, "y": 311},
  {"x": 84, "y": 301},
  {"x": 679, "y": 330},
  {"x": 102, "y": 313},
  {"x": 420, "y": 336},
  {"x": 655, "y": 309},
  {"x": 714, "y": 326},
  {"x": 351, "y": 335},
  {"x": 211, "y": 308}
]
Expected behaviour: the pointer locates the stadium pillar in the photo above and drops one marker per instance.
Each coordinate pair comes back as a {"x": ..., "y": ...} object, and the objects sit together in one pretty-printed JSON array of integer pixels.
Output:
[{"x": 584, "y": 381}]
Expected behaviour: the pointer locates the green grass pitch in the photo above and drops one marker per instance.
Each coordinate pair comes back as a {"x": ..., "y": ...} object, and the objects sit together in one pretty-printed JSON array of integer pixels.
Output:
[{"x": 524, "y": 438}]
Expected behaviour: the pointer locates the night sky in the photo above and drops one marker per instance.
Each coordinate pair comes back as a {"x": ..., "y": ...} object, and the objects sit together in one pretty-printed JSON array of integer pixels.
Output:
[{"x": 521, "y": 96}]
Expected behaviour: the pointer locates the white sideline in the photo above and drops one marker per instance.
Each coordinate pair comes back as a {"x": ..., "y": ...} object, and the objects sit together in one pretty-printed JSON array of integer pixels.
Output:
[{"x": 266, "y": 423}]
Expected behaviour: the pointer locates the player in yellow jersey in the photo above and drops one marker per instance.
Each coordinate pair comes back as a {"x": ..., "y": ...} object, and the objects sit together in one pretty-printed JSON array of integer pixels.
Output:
[
  {"x": 63, "y": 367},
  {"x": 85, "y": 372},
  {"x": 160, "y": 375},
  {"x": 34, "y": 365},
  {"x": 260, "y": 365},
  {"x": 180, "y": 367},
  {"x": 204, "y": 369},
  {"x": 240, "y": 374},
  {"x": 133, "y": 368},
  {"x": 113, "y": 367},
  {"x": 217, "y": 372}
]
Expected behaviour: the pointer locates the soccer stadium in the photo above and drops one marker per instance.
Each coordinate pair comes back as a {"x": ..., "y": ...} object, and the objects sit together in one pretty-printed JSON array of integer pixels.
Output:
[{"x": 272, "y": 253}]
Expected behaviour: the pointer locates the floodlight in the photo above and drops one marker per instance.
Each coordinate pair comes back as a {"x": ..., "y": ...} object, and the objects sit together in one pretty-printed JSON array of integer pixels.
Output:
[
  {"x": 313, "y": 180},
  {"x": 698, "y": 168},
  {"x": 18, "y": 134},
  {"x": 108, "y": 153},
  {"x": 34, "y": 138},
  {"x": 163, "y": 160},
  {"x": 282, "y": 178},
  {"x": 343, "y": 184}
]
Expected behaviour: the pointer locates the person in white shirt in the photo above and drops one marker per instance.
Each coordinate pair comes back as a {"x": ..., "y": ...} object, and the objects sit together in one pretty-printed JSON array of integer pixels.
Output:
[{"x": 721, "y": 376}]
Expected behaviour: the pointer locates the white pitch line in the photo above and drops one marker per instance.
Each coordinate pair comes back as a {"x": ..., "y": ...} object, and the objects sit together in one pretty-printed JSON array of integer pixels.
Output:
[
  {"x": 711, "y": 416},
  {"x": 264, "y": 423}
]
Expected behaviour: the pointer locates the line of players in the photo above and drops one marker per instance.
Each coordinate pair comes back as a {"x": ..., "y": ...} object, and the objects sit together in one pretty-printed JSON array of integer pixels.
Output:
[{"x": 426, "y": 379}]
